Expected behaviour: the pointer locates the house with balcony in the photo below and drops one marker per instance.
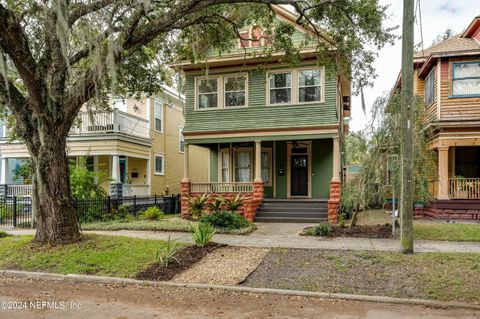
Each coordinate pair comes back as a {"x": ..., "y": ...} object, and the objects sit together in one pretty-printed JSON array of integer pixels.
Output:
[
  {"x": 137, "y": 143},
  {"x": 447, "y": 76},
  {"x": 274, "y": 131}
]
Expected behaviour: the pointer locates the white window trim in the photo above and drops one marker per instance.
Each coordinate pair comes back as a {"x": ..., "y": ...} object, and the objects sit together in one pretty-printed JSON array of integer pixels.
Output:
[
  {"x": 155, "y": 101},
  {"x": 270, "y": 163},
  {"x": 220, "y": 92},
  {"x": 234, "y": 161},
  {"x": 180, "y": 129},
  {"x": 162, "y": 173},
  {"x": 291, "y": 86},
  {"x": 294, "y": 100}
]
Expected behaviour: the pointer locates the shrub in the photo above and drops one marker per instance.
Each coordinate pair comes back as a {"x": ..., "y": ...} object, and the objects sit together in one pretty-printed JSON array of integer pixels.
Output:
[
  {"x": 341, "y": 220},
  {"x": 4, "y": 234},
  {"x": 168, "y": 254},
  {"x": 235, "y": 203},
  {"x": 321, "y": 230},
  {"x": 151, "y": 213},
  {"x": 122, "y": 212},
  {"x": 5, "y": 212},
  {"x": 228, "y": 220},
  {"x": 202, "y": 233},
  {"x": 216, "y": 203},
  {"x": 197, "y": 204}
]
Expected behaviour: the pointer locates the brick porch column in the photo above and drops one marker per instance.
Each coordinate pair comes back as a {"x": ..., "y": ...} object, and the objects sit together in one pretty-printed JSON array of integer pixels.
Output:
[
  {"x": 334, "y": 201},
  {"x": 251, "y": 207}
]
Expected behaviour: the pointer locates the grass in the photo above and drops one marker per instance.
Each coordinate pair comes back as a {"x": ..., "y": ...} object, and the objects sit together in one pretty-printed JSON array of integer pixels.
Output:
[
  {"x": 173, "y": 224},
  {"x": 94, "y": 255},
  {"x": 3, "y": 234},
  {"x": 450, "y": 232},
  {"x": 438, "y": 276}
]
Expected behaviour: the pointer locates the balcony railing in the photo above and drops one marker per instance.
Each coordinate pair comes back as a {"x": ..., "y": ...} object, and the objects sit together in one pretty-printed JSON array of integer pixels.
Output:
[
  {"x": 110, "y": 122},
  {"x": 222, "y": 187},
  {"x": 464, "y": 188},
  {"x": 19, "y": 190}
]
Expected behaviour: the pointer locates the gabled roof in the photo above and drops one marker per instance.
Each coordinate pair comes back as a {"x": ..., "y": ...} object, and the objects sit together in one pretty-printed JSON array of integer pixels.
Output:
[{"x": 456, "y": 44}]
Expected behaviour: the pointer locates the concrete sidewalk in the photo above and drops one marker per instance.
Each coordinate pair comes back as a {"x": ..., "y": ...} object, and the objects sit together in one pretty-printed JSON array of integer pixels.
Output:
[{"x": 285, "y": 235}]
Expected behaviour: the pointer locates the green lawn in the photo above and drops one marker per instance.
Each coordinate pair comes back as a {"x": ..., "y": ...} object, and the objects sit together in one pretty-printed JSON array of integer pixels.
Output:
[
  {"x": 173, "y": 224},
  {"x": 443, "y": 231},
  {"x": 94, "y": 255}
]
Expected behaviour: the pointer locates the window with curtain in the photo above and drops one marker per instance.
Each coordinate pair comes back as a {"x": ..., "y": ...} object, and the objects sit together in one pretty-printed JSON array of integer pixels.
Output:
[
  {"x": 280, "y": 88},
  {"x": 266, "y": 167},
  {"x": 309, "y": 86},
  {"x": 207, "y": 93},
  {"x": 466, "y": 79},
  {"x": 158, "y": 114},
  {"x": 235, "y": 91},
  {"x": 430, "y": 88},
  {"x": 242, "y": 166},
  {"x": 225, "y": 166}
]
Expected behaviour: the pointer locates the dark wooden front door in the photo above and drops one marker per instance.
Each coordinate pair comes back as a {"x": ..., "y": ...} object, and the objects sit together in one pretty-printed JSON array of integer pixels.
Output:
[{"x": 299, "y": 175}]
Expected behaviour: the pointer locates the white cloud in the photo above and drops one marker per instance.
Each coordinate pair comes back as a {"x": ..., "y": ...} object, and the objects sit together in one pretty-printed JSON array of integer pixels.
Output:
[{"x": 437, "y": 16}]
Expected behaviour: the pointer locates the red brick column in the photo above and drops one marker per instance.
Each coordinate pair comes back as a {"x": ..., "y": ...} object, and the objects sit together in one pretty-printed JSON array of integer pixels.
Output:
[
  {"x": 334, "y": 201},
  {"x": 251, "y": 206},
  {"x": 185, "y": 189}
]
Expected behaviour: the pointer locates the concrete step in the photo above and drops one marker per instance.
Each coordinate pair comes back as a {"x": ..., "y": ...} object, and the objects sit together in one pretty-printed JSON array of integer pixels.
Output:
[
  {"x": 292, "y": 214},
  {"x": 296, "y": 209},
  {"x": 290, "y": 220}
]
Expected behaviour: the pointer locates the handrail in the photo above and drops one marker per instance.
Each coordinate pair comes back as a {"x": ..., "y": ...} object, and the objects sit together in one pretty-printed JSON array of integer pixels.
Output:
[
  {"x": 464, "y": 188},
  {"x": 222, "y": 187}
]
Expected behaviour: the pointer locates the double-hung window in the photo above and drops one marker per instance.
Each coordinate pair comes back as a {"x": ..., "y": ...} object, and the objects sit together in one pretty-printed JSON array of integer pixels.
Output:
[
  {"x": 243, "y": 170},
  {"x": 466, "y": 79},
  {"x": 280, "y": 88},
  {"x": 430, "y": 88},
  {"x": 159, "y": 164},
  {"x": 158, "y": 115},
  {"x": 309, "y": 86},
  {"x": 235, "y": 91},
  {"x": 225, "y": 162},
  {"x": 207, "y": 94}
]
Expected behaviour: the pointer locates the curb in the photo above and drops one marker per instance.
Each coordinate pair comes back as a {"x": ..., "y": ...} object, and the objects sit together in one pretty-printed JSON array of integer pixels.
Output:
[{"x": 285, "y": 292}]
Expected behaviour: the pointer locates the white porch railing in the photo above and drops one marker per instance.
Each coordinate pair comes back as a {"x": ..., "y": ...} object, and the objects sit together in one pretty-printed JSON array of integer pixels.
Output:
[
  {"x": 110, "y": 122},
  {"x": 222, "y": 187},
  {"x": 138, "y": 190},
  {"x": 19, "y": 190},
  {"x": 464, "y": 188}
]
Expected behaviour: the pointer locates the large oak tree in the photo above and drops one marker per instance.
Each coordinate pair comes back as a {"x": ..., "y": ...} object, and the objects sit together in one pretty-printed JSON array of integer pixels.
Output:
[{"x": 57, "y": 55}]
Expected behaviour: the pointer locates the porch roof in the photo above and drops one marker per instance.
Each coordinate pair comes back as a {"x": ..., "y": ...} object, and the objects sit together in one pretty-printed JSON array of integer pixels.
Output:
[{"x": 235, "y": 139}]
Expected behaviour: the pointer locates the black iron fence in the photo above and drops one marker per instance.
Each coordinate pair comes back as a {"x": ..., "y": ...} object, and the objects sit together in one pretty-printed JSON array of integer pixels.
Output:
[{"x": 16, "y": 211}]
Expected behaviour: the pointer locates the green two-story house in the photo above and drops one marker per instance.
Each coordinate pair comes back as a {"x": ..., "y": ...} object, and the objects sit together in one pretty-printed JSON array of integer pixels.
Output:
[{"x": 274, "y": 131}]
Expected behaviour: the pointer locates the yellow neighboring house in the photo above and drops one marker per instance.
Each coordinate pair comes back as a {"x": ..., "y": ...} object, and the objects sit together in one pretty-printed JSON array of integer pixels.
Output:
[{"x": 139, "y": 143}]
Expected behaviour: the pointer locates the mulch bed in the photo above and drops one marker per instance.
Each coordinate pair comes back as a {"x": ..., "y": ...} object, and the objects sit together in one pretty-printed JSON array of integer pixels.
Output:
[
  {"x": 365, "y": 231},
  {"x": 185, "y": 259}
]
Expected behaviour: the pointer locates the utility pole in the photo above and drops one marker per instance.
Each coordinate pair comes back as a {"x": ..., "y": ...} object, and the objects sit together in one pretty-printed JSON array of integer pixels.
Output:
[{"x": 407, "y": 127}]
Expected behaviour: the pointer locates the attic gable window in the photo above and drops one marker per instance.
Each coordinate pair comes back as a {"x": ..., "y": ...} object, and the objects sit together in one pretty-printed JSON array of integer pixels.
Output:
[
  {"x": 255, "y": 37},
  {"x": 466, "y": 79},
  {"x": 430, "y": 88}
]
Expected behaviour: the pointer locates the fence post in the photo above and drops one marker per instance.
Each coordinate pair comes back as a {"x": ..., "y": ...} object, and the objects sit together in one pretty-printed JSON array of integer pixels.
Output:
[
  {"x": 109, "y": 204},
  {"x": 135, "y": 204},
  {"x": 14, "y": 211},
  {"x": 155, "y": 200}
]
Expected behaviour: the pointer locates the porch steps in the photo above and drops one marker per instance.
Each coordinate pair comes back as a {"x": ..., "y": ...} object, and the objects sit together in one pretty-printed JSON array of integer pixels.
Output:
[{"x": 292, "y": 211}]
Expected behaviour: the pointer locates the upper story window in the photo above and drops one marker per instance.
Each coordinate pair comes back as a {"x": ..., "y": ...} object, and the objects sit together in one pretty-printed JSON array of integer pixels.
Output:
[
  {"x": 280, "y": 88},
  {"x": 207, "y": 93},
  {"x": 222, "y": 92},
  {"x": 309, "y": 86},
  {"x": 181, "y": 140},
  {"x": 159, "y": 164},
  {"x": 466, "y": 79},
  {"x": 235, "y": 91},
  {"x": 430, "y": 88},
  {"x": 158, "y": 116}
]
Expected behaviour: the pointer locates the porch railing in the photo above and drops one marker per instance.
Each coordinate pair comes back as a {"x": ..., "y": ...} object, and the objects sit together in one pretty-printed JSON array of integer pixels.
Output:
[
  {"x": 222, "y": 187},
  {"x": 19, "y": 190},
  {"x": 110, "y": 122},
  {"x": 464, "y": 188},
  {"x": 138, "y": 190}
]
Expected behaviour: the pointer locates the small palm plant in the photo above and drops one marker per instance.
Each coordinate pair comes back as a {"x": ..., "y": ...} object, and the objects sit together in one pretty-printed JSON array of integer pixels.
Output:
[
  {"x": 168, "y": 254},
  {"x": 235, "y": 203},
  {"x": 216, "y": 204},
  {"x": 197, "y": 204},
  {"x": 202, "y": 233}
]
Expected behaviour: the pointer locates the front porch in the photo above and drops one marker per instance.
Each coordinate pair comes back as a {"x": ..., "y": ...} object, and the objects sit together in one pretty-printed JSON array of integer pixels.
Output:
[{"x": 280, "y": 169}]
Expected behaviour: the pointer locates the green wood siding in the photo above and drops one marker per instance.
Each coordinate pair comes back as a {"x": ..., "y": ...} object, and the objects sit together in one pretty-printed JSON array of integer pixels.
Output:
[
  {"x": 281, "y": 163},
  {"x": 257, "y": 115},
  {"x": 322, "y": 167},
  {"x": 214, "y": 163}
]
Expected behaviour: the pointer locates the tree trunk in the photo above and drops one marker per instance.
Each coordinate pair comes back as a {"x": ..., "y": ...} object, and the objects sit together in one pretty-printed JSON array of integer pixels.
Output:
[
  {"x": 353, "y": 223},
  {"x": 52, "y": 201}
]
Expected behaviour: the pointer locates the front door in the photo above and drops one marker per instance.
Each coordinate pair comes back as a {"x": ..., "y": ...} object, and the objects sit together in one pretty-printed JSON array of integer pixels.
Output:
[{"x": 299, "y": 175}]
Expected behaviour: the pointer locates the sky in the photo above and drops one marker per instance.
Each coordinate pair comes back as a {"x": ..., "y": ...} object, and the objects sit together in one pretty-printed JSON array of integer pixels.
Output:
[{"x": 437, "y": 16}]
